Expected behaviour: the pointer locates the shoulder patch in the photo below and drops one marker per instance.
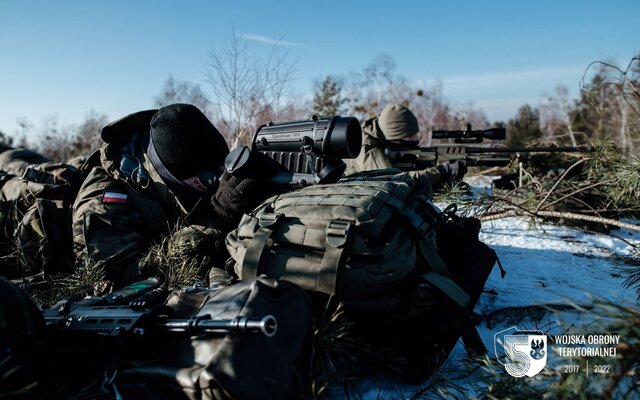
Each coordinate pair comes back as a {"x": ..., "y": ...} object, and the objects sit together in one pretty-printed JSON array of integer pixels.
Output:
[{"x": 114, "y": 198}]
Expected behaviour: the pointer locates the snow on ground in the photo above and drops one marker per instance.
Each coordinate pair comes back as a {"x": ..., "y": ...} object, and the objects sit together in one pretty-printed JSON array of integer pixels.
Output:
[{"x": 547, "y": 265}]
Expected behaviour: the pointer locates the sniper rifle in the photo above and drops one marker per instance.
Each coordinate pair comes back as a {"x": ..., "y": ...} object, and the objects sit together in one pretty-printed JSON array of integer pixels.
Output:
[{"x": 410, "y": 156}]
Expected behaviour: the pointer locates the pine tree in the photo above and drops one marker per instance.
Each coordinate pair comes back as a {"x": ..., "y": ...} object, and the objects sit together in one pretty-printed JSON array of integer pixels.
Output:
[
  {"x": 328, "y": 100},
  {"x": 524, "y": 127}
]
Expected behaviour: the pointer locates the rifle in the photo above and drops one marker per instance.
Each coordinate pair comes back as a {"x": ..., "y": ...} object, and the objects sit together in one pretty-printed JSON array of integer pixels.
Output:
[
  {"x": 412, "y": 157},
  {"x": 310, "y": 150},
  {"x": 138, "y": 310}
]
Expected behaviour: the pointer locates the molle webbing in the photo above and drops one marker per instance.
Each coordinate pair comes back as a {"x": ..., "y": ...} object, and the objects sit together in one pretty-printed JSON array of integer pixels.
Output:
[{"x": 339, "y": 221}]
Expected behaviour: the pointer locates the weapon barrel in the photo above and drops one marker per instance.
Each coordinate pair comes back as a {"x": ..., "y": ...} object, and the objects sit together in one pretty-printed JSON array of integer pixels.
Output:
[
  {"x": 266, "y": 325},
  {"x": 550, "y": 149}
]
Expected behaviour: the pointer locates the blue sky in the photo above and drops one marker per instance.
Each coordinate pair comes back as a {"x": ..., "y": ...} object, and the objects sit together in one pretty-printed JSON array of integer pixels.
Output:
[{"x": 65, "y": 58}]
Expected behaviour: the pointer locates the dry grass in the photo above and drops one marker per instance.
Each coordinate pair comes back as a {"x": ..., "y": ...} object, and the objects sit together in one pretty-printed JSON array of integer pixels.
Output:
[{"x": 176, "y": 261}]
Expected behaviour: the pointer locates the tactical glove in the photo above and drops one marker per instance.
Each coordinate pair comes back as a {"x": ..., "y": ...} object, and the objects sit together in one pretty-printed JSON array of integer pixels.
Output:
[
  {"x": 452, "y": 171},
  {"x": 234, "y": 197},
  {"x": 244, "y": 190}
]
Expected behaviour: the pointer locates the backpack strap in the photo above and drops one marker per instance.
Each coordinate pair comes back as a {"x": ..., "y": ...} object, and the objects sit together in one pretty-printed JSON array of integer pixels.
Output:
[
  {"x": 254, "y": 255},
  {"x": 440, "y": 276},
  {"x": 456, "y": 300},
  {"x": 337, "y": 237},
  {"x": 337, "y": 234}
]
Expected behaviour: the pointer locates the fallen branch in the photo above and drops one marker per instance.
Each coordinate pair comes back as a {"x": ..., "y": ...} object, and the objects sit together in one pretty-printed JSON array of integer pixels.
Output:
[
  {"x": 556, "y": 214},
  {"x": 564, "y": 174}
]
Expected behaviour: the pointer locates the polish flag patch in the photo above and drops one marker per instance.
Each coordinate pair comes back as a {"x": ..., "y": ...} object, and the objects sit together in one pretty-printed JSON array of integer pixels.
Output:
[{"x": 114, "y": 198}]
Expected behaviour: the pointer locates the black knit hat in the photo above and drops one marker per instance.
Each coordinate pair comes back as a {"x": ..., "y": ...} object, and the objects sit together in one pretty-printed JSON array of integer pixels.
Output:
[{"x": 186, "y": 141}]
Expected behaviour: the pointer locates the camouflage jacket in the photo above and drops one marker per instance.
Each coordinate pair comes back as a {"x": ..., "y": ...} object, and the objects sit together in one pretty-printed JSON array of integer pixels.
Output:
[
  {"x": 372, "y": 156},
  {"x": 35, "y": 222},
  {"x": 115, "y": 220}
]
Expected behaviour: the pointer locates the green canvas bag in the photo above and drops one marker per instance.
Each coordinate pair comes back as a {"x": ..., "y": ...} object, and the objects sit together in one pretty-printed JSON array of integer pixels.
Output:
[
  {"x": 362, "y": 239},
  {"x": 370, "y": 241}
]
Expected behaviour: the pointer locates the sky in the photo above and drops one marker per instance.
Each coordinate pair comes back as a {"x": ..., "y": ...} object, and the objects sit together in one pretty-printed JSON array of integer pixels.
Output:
[{"x": 62, "y": 59}]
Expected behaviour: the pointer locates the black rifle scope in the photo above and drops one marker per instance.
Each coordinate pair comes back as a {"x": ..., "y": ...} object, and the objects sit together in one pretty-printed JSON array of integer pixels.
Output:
[{"x": 468, "y": 133}]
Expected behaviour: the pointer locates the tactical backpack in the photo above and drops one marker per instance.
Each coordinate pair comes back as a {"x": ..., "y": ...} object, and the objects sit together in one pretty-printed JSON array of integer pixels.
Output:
[
  {"x": 15, "y": 161},
  {"x": 369, "y": 240},
  {"x": 36, "y": 220}
]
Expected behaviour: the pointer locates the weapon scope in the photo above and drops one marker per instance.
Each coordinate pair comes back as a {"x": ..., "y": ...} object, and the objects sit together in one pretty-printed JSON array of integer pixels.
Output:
[
  {"x": 335, "y": 137},
  {"x": 310, "y": 150},
  {"x": 470, "y": 136}
]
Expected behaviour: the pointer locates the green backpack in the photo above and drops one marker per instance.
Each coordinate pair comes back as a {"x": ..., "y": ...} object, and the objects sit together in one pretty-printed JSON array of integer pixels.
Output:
[{"x": 369, "y": 240}]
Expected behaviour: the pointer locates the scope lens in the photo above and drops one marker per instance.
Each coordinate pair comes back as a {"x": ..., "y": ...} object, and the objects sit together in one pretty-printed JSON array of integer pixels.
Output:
[{"x": 346, "y": 138}]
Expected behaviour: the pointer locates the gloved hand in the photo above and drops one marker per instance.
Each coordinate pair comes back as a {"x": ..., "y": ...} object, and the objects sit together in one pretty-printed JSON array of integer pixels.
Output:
[
  {"x": 234, "y": 197},
  {"x": 241, "y": 192},
  {"x": 452, "y": 171}
]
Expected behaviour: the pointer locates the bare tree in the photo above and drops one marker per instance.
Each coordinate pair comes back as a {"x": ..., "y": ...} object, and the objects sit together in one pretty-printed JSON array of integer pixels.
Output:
[
  {"x": 175, "y": 91},
  {"x": 55, "y": 141},
  {"x": 87, "y": 136},
  {"x": 432, "y": 110},
  {"x": 556, "y": 116},
  {"x": 369, "y": 91},
  {"x": 616, "y": 92},
  {"x": 26, "y": 128},
  {"x": 471, "y": 114},
  {"x": 625, "y": 81},
  {"x": 276, "y": 78},
  {"x": 63, "y": 142},
  {"x": 245, "y": 85}
]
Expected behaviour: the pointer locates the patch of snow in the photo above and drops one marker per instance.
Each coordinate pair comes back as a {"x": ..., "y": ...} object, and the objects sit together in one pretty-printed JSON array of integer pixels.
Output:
[{"x": 547, "y": 265}]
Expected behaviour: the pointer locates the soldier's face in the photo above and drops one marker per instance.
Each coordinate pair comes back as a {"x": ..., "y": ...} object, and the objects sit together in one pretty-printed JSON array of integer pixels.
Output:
[{"x": 206, "y": 181}]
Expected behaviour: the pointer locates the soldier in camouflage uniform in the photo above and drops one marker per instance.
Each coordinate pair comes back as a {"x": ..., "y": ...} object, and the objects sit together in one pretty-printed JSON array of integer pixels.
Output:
[
  {"x": 394, "y": 125},
  {"x": 160, "y": 173},
  {"x": 35, "y": 225}
]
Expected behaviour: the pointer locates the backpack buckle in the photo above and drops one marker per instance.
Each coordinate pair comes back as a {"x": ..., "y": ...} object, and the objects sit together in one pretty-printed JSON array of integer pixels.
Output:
[
  {"x": 268, "y": 219},
  {"x": 33, "y": 175},
  {"x": 337, "y": 233}
]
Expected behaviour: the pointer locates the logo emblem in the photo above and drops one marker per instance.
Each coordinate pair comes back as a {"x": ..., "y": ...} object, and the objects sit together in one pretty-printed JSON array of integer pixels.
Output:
[{"x": 523, "y": 352}]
